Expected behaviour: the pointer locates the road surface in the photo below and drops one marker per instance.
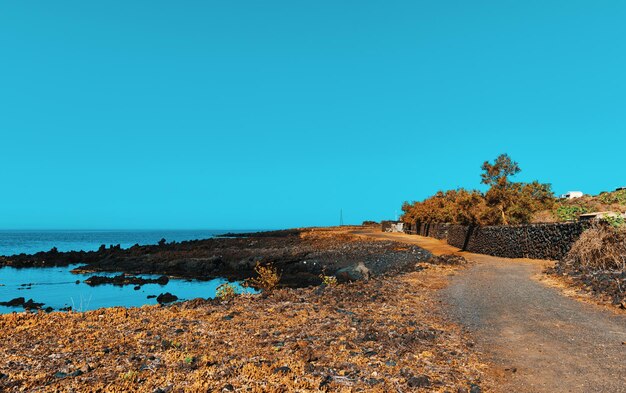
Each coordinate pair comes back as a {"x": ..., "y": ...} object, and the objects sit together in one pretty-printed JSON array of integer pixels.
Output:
[{"x": 537, "y": 339}]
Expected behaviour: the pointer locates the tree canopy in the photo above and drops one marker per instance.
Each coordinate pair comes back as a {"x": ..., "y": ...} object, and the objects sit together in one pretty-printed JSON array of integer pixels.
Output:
[{"x": 505, "y": 202}]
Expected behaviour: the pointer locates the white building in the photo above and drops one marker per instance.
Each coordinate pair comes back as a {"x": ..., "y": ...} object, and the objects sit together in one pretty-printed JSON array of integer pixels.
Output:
[{"x": 572, "y": 195}]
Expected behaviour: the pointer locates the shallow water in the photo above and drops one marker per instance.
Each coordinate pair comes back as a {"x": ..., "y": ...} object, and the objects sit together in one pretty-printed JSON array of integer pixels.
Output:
[{"x": 57, "y": 288}]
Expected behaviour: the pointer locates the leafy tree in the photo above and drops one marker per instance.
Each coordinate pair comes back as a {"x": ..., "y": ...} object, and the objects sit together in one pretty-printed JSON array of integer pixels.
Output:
[
  {"x": 501, "y": 194},
  {"x": 505, "y": 202}
]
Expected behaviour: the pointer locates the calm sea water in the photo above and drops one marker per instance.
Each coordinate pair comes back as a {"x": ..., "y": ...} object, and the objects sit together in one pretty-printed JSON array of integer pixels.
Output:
[
  {"x": 56, "y": 287},
  {"x": 29, "y": 242}
]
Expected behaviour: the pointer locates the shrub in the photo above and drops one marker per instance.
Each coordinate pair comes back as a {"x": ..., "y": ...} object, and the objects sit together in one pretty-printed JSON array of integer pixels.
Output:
[
  {"x": 329, "y": 281},
  {"x": 570, "y": 212},
  {"x": 267, "y": 278},
  {"x": 226, "y": 292},
  {"x": 615, "y": 222},
  {"x": 601, "y": 247},
  {"x": 614, "y": 197}
]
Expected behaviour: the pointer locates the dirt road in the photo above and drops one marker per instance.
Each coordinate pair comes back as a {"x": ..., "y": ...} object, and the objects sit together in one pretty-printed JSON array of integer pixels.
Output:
[{"x": 537, "y": 339}]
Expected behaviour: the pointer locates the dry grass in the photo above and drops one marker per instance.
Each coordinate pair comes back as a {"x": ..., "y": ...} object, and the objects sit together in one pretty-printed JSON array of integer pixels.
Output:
[
  {"x": 596, "y": 264},
  {"x": 601, "y": 247},
  {"x": 368, "y": 336}
]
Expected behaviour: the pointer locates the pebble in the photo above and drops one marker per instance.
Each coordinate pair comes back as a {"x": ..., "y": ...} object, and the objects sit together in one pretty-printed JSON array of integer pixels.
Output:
[
  {"x": 282, "y": 370},
  {"x": 420, "y": 381}
]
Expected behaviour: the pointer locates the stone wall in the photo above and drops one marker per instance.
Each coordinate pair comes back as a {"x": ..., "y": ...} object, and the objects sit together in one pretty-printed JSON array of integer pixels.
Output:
[
  {"x": 537, "y": 241},
  {"x": 438, "y": 231}
]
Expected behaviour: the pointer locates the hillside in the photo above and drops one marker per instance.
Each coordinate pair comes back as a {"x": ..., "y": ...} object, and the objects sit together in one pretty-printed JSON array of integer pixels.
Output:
[{"x": 571, "y": 209}]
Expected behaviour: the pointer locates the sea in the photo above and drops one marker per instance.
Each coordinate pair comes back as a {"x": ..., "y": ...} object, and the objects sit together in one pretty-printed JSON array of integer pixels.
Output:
[{"x": 59, "y": 288}]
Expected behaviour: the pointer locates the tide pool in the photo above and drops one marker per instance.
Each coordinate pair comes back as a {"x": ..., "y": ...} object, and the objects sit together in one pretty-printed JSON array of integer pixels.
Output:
[{"x": 56, "y": 287}]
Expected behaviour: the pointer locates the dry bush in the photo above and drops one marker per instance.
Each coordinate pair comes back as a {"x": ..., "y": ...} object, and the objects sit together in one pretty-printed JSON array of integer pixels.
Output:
[
  {"x": 267, "y": 278},
  {"x": 601, "y": 247}
]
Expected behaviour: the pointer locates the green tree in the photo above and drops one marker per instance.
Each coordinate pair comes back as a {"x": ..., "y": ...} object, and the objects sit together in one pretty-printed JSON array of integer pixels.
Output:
[{"x": 510, "y": 202}]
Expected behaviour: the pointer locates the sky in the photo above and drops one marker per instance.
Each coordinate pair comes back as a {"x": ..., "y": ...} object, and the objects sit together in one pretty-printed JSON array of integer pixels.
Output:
[{"x": 271, "y": 114}]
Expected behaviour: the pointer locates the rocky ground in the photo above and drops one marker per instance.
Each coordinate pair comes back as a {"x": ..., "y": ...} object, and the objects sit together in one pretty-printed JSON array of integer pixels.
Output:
[
  {"x": 302, "y": 255},
  {"x": 380, "y": 335},
  {"x": 596, "y": 264},
  {"x": 606, "y": 286}
]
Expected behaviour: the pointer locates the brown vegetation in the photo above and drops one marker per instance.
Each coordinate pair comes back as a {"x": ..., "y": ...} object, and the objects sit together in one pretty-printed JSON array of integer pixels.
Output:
[
  {"x": 505, "y": 202},
  {"x": 601, "y": 247},
  {"x": 380, "y": 336},
  {"x": 597, "y": 262},
  {"x": 267, "y": 278}
]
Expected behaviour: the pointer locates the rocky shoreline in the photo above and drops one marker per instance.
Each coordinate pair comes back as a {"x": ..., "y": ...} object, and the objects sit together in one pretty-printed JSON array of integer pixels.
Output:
[
  {"x": 380, "y": 335},
  {"x": 301, "y": 255}
]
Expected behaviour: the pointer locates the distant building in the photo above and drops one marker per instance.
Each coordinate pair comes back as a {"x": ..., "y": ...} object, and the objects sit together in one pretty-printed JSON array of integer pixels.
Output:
[
  {"x": 572, "y": 195},
  {"x": 392, "y": 226}
]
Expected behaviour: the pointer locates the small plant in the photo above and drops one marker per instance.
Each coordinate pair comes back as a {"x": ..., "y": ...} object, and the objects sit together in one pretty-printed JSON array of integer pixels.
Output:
[
  {"x": 329, "y": 281},
  {"x": 615, "y": 221},
  {"x": 130, "y": 376},
  {"x": 226, "y": 292},
  {"x": 267, "y": 278}
]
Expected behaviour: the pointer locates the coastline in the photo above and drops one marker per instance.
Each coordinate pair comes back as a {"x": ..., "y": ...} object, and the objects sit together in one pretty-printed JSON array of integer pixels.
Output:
[
  {"x": 301, "y": 255},
  {"x": 379, "y": 335}
]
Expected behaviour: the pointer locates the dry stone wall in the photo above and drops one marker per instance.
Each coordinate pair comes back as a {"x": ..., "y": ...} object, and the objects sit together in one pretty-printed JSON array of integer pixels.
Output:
[{"x": 537, "y": 241}]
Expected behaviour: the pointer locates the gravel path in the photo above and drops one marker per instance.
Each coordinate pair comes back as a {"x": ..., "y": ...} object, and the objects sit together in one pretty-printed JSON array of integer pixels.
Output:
[{"x": 538, "y": 339}]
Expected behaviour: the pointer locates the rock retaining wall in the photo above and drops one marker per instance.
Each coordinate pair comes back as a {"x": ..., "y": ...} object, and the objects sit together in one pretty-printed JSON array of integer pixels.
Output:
[{"x": 537, "y": 241}]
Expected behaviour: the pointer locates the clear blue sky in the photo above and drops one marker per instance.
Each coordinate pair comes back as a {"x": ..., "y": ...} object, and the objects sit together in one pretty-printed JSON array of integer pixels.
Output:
[{"x": 268, "y": 114}]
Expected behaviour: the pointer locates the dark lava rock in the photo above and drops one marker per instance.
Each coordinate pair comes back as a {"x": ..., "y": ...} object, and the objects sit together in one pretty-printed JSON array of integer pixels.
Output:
[
  {"x": 150, "y": 296},
  {"x": 319, "y": 291},
  {"x": 166, "y": 297},
  {"x": 3, "y": 376},
  {"x": 138, "y": 287},
  {"x": 353, "y": 273},
  {"x": 48, "y": 309},
  {"x": 62, "y": 374},
  {"x": 17, "y": 302},
  {"x": 30, "y": 304},
  {"x": 301, "y": 259},
  {"x": 125, "y": 279},
  {"x": 282, "y": 370},
  {"x": 474, "y": 388},
  {"x": 420, "y": 381},
  {"x": 68, "y": 308}
]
